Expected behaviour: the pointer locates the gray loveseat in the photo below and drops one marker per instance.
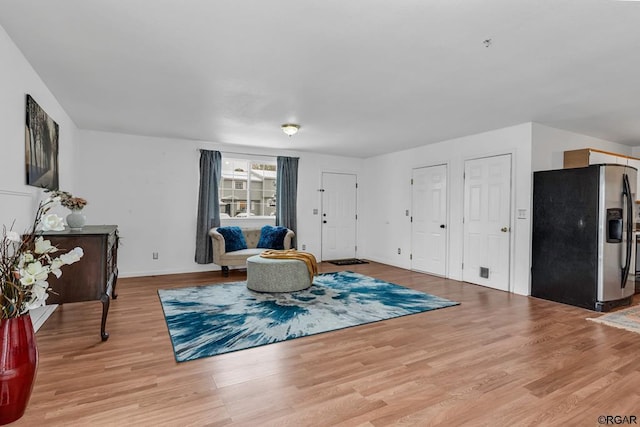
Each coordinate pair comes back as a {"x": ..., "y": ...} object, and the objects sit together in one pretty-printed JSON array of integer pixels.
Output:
[{"x": 235, "y": 258}]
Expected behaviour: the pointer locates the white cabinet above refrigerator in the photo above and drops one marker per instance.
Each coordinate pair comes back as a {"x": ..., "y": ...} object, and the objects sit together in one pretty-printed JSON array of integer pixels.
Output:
[{"x": 591, "y": 156}]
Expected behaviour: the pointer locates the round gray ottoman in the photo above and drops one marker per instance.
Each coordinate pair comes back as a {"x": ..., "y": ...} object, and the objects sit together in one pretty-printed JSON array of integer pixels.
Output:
[{"x": 276, "y": 275}]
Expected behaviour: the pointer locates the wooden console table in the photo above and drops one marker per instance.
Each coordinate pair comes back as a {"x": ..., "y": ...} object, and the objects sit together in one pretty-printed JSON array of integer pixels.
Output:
[{"x": 94, "y": 276}]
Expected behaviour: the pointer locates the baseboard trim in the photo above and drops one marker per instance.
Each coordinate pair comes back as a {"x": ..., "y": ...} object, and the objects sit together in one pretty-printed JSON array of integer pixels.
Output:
[
  {"x": 41, "y": 314},
  {"x": 204, "y": 269}
]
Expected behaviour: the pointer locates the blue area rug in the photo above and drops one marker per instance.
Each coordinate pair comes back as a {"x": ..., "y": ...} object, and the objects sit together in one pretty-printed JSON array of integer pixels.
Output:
[{"x": 214, "y": 319}]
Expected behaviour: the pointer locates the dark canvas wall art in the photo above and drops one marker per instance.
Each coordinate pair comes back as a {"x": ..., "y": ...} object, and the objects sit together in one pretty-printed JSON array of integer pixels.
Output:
[{"x": 41, "y": 147}]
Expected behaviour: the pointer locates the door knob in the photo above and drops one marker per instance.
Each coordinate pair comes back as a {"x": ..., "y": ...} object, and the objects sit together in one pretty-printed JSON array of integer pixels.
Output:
[
  {"x": 442, "y": 226},
  {"x": 504, "y": 229},
  {"x": 324, "y": 222}
]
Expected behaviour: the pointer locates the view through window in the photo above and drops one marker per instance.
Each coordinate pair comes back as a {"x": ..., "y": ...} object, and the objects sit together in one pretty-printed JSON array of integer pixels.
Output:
[{"x": 248, "y": 188}]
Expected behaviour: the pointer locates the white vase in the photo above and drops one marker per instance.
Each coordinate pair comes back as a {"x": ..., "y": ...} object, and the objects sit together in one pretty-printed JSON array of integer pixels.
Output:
[{"x": 76, "y": 220}]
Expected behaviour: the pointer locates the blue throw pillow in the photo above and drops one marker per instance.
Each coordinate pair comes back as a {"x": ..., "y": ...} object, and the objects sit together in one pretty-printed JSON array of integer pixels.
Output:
[
  {"x": 272, "y": 237},
  {"x": 233, "y": 238}
]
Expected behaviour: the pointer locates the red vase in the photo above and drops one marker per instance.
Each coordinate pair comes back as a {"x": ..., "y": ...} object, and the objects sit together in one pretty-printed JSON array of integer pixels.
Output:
[{"x": 18, "y": 364}]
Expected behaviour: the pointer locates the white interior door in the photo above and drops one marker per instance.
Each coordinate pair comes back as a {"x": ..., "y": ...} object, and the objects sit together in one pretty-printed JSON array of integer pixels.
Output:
[
  {"x": 338, "y": 215},
  {"x": 429, "y": 219},
  {"x": 487, "y": 227}
]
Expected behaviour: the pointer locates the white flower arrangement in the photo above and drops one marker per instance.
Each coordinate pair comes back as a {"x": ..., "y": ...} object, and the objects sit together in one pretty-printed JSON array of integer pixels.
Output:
[{"x": 26, "y": 262}]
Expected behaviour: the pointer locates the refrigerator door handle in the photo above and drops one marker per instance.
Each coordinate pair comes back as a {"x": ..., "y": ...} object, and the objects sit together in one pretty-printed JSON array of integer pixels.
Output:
[{"x": 626, "y": 192}]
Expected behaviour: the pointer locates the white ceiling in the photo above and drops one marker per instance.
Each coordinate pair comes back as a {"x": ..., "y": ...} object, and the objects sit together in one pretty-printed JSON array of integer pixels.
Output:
[{"x": 362, "y": 77}]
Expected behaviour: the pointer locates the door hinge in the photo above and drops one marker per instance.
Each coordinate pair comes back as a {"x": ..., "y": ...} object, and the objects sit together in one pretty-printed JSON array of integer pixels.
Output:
[
  {"x": 411, "y": 219},
  {"x": 356, "y": 248},
  {"x": 410, "y": 256},
  {"x": 356, "y": 217},
  {"x": 411, "y": 181},
  {"x": 356, "y": 185},
  {"x": 463, "y": 265}
]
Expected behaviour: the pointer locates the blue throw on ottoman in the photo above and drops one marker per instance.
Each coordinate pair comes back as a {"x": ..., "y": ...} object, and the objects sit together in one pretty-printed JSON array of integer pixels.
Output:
[{"x": 276, "y": 275}]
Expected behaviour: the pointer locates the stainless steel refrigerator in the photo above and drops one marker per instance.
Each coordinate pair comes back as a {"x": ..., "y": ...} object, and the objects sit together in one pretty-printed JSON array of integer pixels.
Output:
[{"x": 583, "y": 250}]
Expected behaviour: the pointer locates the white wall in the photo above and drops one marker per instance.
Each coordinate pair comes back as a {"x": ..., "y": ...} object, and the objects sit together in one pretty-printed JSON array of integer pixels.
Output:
[
  {"x": 549, "y": 145},
  {"x": 387, "y": 194},
  {"x": 17, "y": 78},
  {"x": 149, "y": 188}
]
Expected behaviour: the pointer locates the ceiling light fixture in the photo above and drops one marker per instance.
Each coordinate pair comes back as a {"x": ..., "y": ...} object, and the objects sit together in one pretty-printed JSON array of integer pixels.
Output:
[{"x": 290, "y": 128}]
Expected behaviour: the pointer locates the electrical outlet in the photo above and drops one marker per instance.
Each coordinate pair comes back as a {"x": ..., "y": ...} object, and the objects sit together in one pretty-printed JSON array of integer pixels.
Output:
[
  {"x": 399, "y": 251},
  {"x": 155, "y": 255},
  {"x": 304, "y": 247}
]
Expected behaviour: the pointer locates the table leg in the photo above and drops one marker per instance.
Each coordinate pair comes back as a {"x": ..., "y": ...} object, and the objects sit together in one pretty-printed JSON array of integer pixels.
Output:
[
  {"x": 115, "y": 281},
  {"x": 105, "y": 309}
]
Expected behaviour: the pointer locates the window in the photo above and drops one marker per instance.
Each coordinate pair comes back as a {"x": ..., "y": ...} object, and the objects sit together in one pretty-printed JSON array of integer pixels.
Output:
[{"x": 248, "y": 188}]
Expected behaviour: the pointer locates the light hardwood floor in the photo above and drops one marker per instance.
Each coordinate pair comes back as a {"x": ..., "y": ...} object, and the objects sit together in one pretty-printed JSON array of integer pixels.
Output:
[{"x": 497, "y": 359}]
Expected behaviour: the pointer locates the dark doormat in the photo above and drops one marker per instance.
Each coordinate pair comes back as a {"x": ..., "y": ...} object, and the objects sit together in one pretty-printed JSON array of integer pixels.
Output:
[{"x": 348, "y": 261}]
